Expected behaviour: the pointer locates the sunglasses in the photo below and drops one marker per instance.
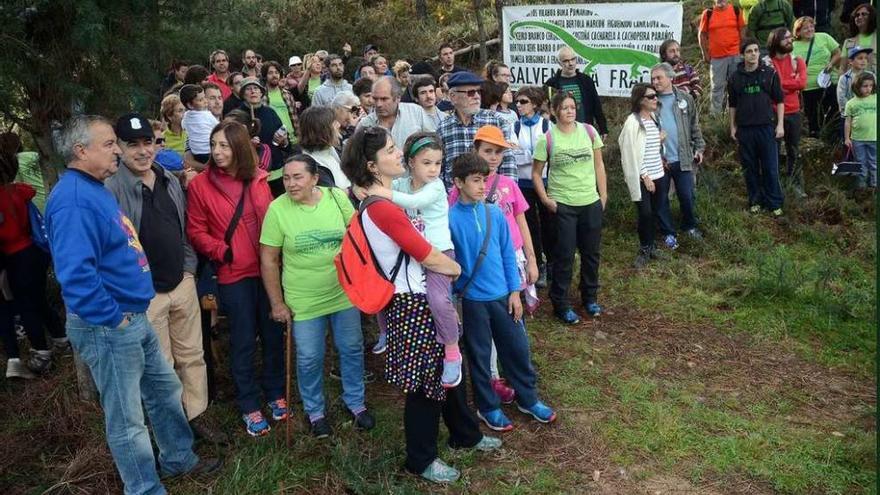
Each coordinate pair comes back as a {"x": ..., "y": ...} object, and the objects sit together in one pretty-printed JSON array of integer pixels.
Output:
[
  {"x": 471, "y": 92},
  {"x": 651, "y": 97},
  {"x": 523, "y": 102},
  {"x": 355, "y": 109},
  {"x": 159, "y": 141}
]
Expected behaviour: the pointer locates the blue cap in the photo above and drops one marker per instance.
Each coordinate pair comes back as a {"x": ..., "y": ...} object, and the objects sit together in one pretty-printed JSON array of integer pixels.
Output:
[
  {"x": 170, "y": 160},
  {"x": 464, "y": 78},
  {"x": 857, "y": 50}
]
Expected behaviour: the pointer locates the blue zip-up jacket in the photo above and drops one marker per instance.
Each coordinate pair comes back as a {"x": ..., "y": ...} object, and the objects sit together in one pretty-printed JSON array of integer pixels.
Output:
[
  {"x": 498, "y": 276},
  {"x": 98, "y": 259}
]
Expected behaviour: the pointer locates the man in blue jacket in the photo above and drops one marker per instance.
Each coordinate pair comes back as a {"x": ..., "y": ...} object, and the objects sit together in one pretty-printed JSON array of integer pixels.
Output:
[{"x": 107, "y": 286}]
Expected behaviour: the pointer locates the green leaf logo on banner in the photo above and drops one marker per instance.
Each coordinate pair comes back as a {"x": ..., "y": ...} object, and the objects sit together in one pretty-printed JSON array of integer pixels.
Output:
[{"x": 595, "y": 57}]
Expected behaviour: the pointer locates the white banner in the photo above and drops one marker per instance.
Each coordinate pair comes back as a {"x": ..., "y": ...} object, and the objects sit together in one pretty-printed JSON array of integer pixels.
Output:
[{"x": 616, "y": 43}]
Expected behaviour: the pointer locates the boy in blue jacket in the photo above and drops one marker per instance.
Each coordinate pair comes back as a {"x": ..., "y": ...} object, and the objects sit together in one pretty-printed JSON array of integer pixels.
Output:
[{"x": 489, "y": 288}]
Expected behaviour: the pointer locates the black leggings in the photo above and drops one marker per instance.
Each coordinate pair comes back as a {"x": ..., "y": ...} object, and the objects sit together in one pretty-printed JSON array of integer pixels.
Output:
[
  {"x": 820, "y": 108},
  {"x": 26, "y": 271}
]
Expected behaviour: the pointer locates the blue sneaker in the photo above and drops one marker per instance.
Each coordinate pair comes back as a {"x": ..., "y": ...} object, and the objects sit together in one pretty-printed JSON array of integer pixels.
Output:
[
  {"x": 255, "y": 424},
  {"x": 593, "y": 309},
  {"x": 568, "y": 316},
  {"x": 279, "y": 409},
  {"x": 381, "y": 344},
  {"x": 496, "y": 420},
  {"x": 671, "y": 242},
  {"x": 539, "y": 411},
  {"x": 451, "y": 373}
]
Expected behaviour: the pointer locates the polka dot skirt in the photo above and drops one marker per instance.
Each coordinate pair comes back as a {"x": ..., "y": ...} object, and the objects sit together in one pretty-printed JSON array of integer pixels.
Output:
[{"x": 414, "y": 360}]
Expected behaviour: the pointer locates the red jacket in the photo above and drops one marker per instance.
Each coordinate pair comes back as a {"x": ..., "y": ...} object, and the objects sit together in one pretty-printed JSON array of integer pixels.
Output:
[
  {"x": 15, "y": 225},
  {"x": 792, "y": 81},
  {"x": 211, "y": 200}
]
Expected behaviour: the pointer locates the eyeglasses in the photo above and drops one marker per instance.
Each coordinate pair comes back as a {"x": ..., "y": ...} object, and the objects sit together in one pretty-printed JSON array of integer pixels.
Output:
[
  {"x": 523, "y": 102},
  {"x": 567, "y": 60},
  {"x": 470, "y": 92},
  {"x": 651, "y": 96}
]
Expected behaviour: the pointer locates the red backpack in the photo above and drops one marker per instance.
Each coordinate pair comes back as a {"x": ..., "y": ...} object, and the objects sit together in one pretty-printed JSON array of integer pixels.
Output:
[{"x": 360, "y": 275}]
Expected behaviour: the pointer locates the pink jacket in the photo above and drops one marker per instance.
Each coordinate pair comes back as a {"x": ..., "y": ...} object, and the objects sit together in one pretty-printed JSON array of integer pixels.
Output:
[{"x": 211, "y": 200}]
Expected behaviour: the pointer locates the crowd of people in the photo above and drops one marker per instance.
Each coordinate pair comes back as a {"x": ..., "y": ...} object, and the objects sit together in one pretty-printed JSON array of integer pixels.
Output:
[{"x": 238, "y": 200}]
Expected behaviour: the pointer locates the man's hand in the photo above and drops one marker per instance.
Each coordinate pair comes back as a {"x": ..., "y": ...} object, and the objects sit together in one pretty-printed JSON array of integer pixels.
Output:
[
  {"x": 698, "y": 157},
  {"x": 733, "y": 132},
  {"x": 780, "y": 131},
  {"x": 514, "y": 306}
]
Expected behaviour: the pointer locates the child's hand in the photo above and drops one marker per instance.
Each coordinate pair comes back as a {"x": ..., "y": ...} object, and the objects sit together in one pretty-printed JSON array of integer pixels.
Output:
[
  {"x": 514, "y": 306},
  {"x": 531, "y": 271},
  {"x": 359, "y": 192}
]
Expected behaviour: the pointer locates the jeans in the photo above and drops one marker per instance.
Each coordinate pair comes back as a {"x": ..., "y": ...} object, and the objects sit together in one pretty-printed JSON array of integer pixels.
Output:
[
  {"x": 421, "y": 426},
  {"x": 792, "y": 123},
  {"x": 541, "y": 228},
  {"x": 684, "y": 189},
  {"x": 487, "y": 321},
  {"x": 247, "y": 307},
  {"x": 26, "y": 270},
  {"x": 653, "y": 210},
  {"x": 722, "y": 69},
  {"x": 866, "y": 153},
  {"x": 760, "y": 162},
  {"x": 310, "y": 338},
  {"x": 579, "y": 226},
  {"x": 128, "y": 368}
]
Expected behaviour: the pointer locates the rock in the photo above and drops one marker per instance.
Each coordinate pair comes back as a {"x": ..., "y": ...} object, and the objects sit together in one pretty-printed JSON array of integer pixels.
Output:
[
  {"x": 596, "y": 475},
  {"x": 601, "y": 335}
]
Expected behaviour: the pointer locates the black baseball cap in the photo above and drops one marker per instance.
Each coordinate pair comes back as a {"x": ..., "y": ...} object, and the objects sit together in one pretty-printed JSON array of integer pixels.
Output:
[{"x": 132, "y": 126}]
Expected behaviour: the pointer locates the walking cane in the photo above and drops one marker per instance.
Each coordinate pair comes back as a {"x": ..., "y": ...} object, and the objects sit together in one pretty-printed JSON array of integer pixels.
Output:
[{"x": 287, "y": 353}]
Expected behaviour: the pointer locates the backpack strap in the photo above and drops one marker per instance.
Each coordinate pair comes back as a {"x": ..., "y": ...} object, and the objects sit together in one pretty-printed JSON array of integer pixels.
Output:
[
  {"x": 401, "y": 256},
  {"x": 233, "y": 223},
  {"x": 493, "y": 188},
  {"x": 517, "y": 126},
  {"x": 548, "y": 136},
  {"x": 484, "y": 248},
  {"x": 545, "y": 125}
]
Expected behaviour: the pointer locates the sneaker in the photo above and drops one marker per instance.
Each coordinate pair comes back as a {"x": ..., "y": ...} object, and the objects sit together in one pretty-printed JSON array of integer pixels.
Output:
[
  {"x": 364, "y": 421},
  {"x": 320, "y": 428},
  {"x": 488, "y": 444},
  {"x": 568, "y": 316},
  {"x": 755, "y": 209},
  {"x": 539, "y": 411},
  {"x": 642, "y": 259},
  {"x": 593, "y": 309},
  {"x": 279, "y": 409},
  {"x": 381, "y": 344},
  {"x": 202, "y": 431},
  {"x": 496, "y": 420},
  {"x": 694, "y": 234},
  {"x": 505, "y": 394},
  {"x": 205, "y": 470},
  {"x": 255, "y": 424},
  {"x": 440, "y": 472},
  {"x": 451, "y": 373},
  {"x": 777, "y": 213},
  {"x": 16, "y": 369},
  {"x": 40, "y": 361},
  {"x": 671, "y": 242}
]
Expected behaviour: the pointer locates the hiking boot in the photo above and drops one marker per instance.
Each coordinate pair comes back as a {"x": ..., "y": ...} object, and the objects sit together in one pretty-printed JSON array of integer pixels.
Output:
[
  {"x": 488, "y": 444},
  {"x": 364, "y": 421},
  {"x": 255, "y": 424},
  {"x": 280, "y": 412},
  {"x": 320, "y": 428},
  {"x": 539, "y": 411},
  {"x": 642, "y": 259},
  {"x": 440, "y": 472},
  {"x": 451, "y": 373},
  {"x": 593, "y": 309},
  {"x": 496, "y": 420},
  {"x": 505, "y": 394},
  {"x": 568, "y": 316},
  {"x": 382, "y": 344},
  {"x": 205, "y": 470},
  {"x": 16, "y": 369},
  {"x": 40, "y": 361},
  {"x": 670, "y": 242},
  {"x": 202, "y": 431}
]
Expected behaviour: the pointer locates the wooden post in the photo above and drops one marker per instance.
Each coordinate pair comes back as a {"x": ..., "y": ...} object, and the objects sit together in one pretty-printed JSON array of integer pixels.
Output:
[{"x": 481, "y": 30}]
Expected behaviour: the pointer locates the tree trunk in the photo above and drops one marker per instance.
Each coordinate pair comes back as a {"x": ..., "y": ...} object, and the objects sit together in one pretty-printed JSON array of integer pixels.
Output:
[
  {"x": 422, "y": 10},
  {"x": 481, "y": 29}
]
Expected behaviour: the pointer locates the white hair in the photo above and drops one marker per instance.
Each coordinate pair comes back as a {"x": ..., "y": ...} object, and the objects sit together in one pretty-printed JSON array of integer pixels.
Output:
[{"x": 78, "y": 130}]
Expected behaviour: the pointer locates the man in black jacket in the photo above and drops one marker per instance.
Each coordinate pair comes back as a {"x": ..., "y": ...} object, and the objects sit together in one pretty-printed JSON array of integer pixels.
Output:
[{"x": 569, "y": 78}]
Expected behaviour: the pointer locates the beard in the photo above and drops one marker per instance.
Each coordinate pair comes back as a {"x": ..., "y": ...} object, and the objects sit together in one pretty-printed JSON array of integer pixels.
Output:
[{"x": 786, "y": 48}]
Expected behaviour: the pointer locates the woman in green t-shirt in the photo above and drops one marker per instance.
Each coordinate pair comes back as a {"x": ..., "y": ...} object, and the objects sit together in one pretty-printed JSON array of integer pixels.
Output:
[
  {"x": 863, "y": 33},
  {"x": 821, "y": 52},
  {"x": 306, "y": 226},
  {"x": 576, "y": 194}
]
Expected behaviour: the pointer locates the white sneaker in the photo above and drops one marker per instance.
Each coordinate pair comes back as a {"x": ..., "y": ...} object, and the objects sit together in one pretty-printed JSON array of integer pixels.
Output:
[{"x": 16, "y": 369}]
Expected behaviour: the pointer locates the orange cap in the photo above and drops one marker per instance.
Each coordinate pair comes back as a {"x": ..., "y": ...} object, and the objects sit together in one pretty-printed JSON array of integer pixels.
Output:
[{"x": 492, "y": 135}]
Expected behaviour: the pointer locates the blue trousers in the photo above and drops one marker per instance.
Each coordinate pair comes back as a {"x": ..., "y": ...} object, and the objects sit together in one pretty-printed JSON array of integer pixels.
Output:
[
  {"x": 247, "y": 307},
  {"x": 483, "y": 322},
  {"x": 128, "y": 367},
  {"x": 310, "y": 338},
  {"x": 684, "y": 189},
  {"x": 758, "y": 153}
]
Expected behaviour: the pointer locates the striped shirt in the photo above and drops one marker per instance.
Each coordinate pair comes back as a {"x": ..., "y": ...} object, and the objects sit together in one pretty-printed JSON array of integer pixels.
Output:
[
  {"x": 652, "y": 165},
  {"x": 458, "y": 139}
]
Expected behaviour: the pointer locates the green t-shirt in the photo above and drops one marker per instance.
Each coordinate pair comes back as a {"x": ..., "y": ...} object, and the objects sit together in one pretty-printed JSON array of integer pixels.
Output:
[
  {"x": 276, "y": 102},
  {"x": 571, "y": 179},
  {"x": 823, "y": 45},
  {"x": 314, "y": 84},
  {"x": 863, "y": 112},
  {"x": 30, "y": 173},
  {"x": 176, "y": 142},
  {"x": 309, "y": 238}
]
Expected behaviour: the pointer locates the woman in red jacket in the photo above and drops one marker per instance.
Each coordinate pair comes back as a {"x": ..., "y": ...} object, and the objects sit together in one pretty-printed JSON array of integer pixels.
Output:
[{"x": 225, "y": 208}]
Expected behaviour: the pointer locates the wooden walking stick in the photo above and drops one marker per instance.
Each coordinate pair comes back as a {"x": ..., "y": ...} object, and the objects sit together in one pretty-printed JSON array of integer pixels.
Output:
[{"x": 287, "y": 353}]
